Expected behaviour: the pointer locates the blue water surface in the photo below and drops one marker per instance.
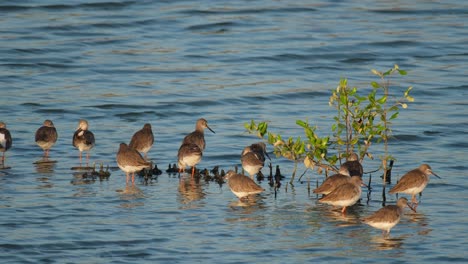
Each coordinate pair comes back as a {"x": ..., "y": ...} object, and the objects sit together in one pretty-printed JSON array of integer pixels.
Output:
[{"x": 120, "y": 64}]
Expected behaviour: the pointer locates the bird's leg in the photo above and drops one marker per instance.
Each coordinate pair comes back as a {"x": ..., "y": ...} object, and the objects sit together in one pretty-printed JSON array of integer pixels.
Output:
[
  {"x": 193, "y": 171},
  {"x": 80, "y": 159},
  {"x": 133, "y": 178},
  {"x": 343, "y": 211},
  {"x": 414, "y": 202},
  {"x": 127, "y": 177},
  {"x": 87, "y": 158},
  {"x": 385, "y": 233}
]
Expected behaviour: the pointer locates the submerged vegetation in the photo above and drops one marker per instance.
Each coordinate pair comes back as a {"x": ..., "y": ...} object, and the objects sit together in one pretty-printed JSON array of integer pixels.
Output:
[{"x": 362, "y": 120}]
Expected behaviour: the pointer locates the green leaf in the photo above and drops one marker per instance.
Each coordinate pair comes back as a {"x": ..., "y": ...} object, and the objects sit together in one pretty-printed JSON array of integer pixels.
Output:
[
  {"x": 408, "y": 90},
  {"x": 302, "y": 123},
  {"x": 343, "y": 99},
  {"x": 402, "y": 72},
  {"x": 382, "y": 100},
  {"x": 388, "y": 72},
  {"x": 393, "y": 108},
  {"x": 375, "y": 84},
  {"x": 395, "y": 115}
]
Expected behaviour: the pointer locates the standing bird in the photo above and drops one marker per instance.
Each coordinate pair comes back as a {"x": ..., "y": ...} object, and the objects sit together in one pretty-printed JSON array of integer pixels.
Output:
[
  {"x": 143, "y": 139},
  {"x": 189, "y": 155},
  {"x": 353, "y": 165},
  {"x": 241, "y": 185},
  {"x": 414, "y": 182},
  {"x": 130, "y": 161},
  {"x": 83, "y": 139},
  {"x": 192, "y": 147},
  {"x": 46, "y": 136},
  {"x": 387, "y": 217},
  {"x": 253, "y": 158},
  {"x": 251, "y": 161},
  {"x": 198, "y": 136},
  {"x": 332, "y": 182},
  {"x": 345, "y": 195},
  {"x": 5, "y": 141}
]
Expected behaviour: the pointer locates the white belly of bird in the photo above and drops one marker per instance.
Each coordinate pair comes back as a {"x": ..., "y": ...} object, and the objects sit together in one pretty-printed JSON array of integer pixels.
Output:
[
  {"x": 45, "y": 144},
  {"x": 131, "y": 169},
  {"x": 383, "y": 225},
  {"x": 191, "y": 160},
  {"x": 244, "y": 194},
  {"x": 146, "y": 149},
  {"x": 2, "y": 140},
  {"x": 415, "y": 190},
  {"x": 252, "y": 170},
  {"x": 84, "y": 147},
  {"x": 343, "y": 203}
]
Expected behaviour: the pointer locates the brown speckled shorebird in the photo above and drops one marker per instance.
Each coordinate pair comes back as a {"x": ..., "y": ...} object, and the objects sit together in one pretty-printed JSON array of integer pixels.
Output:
[
  {"x": 332, "y": 182},
  {"x": 130, "y": 161},
  {"x": 387, "y": 217},
  {"x": 83, "y": 139},
  {"x": 345, "y": 195},
  {"x": 143, "y": 140},
  {"x": 251, "y": 162},
  {"x": 241, "y": 185},
  {"x": 353, "y": 165},
  {"x": 198, "y": 136},
  {"x": 46, "y": 136},
  {"x": 253, "y": 158},
  {"x": 414, "y": 182},
  {"x": 189, "y": 155},
  {"x": 5, "y": 141}
]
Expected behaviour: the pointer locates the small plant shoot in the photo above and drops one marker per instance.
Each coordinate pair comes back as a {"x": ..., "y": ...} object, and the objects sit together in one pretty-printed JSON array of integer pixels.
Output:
[{"x": 361, "y": 120}]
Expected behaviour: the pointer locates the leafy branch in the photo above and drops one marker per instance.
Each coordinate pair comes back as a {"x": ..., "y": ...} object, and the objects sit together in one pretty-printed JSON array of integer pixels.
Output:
[{"x": 360, "y": 121}]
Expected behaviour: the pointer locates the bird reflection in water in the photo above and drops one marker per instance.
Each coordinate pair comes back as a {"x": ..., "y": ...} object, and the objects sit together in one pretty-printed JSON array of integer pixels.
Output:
[
  {"x": 379, "y": 242},
  {"x": 335, "y": 215},
  {"x": 248, "y": 210},
  {"x": 190, "y": 190},
  {"x": 45, "y": 166},
  {"x": 421, "y": 220},
  {"x": 80, "y": 178},
  {"x": 132, "y": 194}
]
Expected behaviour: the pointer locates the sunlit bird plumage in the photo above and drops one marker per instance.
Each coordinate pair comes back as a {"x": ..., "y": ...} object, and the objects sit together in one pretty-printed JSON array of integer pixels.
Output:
[{"x": 46, "y": 136}]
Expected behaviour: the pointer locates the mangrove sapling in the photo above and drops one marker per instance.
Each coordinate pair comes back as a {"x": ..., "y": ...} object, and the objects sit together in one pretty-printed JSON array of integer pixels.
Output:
[{"x": 360, "y": 121}]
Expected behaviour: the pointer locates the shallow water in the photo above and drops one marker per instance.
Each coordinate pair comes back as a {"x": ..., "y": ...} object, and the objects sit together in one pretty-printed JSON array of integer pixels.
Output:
[{"x": 120, "y": 64}]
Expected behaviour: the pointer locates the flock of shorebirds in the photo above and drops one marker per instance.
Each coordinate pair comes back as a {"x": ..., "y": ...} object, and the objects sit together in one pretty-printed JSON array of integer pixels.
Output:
[{"x": 342, "y": 189}]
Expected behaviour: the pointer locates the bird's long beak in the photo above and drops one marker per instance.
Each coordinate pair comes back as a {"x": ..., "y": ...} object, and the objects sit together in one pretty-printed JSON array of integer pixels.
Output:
[
  {"x": 435, "y": 175},
  {"x": 411, "y": 207},
  {"x": 210, "y": 129},
  {"x": 267, "y": 155}
]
